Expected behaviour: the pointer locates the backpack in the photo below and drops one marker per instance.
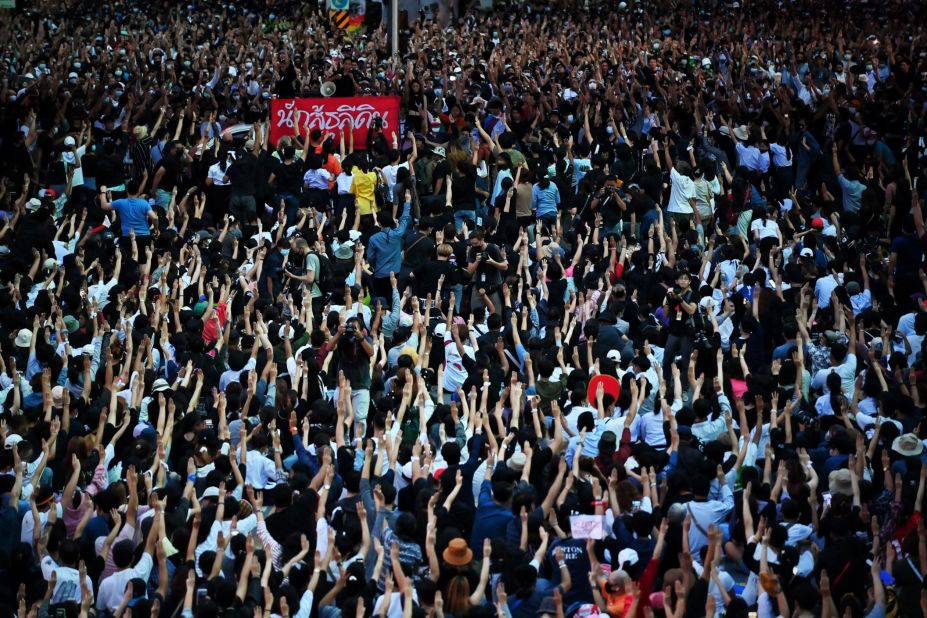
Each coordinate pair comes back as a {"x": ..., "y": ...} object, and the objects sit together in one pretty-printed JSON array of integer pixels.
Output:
[{"x": 325, "y": 278}]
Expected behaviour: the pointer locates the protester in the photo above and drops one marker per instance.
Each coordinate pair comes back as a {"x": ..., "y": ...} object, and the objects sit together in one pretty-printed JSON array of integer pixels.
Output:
[{"x": 622, "y": 316}]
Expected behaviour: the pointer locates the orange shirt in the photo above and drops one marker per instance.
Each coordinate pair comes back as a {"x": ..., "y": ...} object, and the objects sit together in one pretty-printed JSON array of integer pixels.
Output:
[
  {"x": 617, "y": 605},
  {"x": 333, "y": 166}
]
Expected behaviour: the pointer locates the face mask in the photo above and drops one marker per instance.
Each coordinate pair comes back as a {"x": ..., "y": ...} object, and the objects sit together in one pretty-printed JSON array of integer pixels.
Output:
[
  {"x": 570, "y": 118},
  {"x": 868, "y": 67},
  {"x": 77, "y": 65},
  {"x": 284, "y": 252},
  {"x": 610, "y": 129},
  {"x": 381, "y": 75}
]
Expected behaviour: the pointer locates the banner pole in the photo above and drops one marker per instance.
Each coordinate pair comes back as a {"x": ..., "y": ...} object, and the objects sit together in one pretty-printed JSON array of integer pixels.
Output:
[{"x": 394, "y": 26}]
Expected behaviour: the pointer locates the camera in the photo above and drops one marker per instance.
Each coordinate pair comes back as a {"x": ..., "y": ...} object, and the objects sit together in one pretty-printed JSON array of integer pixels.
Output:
[{"x": 350, "y": 332}]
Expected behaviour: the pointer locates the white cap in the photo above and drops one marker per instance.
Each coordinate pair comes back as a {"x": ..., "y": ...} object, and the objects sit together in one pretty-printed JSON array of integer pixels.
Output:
[
  {"x": 69, "y": 141},
  {"x": 807, "y": 252},
  {"x": 627, "y": 556},
  {"x": 12, "y": 440}
]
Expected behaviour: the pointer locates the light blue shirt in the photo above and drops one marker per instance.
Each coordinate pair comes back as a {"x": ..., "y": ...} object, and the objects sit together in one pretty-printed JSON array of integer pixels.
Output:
[
  {"x": 852, "y": 193},
  {"x": 751, "y": 158},
  {"x": 385, "y": 249},
  {"x": 544, "y": 202}
]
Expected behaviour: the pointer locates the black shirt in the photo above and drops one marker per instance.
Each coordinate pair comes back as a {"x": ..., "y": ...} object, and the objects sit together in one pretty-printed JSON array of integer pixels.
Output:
[
  {"x": 242, "y": 175},
  {"x": 486, "y": 275},
  {"x": 418, "y": 249},
  {"x": 464, "y": 192},
  {"x": 289, "y": 177},
  {"x": 677, "y": 315},
  {"x": 427, "y": 275}
]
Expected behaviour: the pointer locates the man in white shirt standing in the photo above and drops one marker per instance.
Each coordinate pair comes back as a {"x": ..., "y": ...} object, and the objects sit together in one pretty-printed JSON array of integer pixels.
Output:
[
  {"x": 113, "y": 588},
  {"x": 681, "y": 206}
]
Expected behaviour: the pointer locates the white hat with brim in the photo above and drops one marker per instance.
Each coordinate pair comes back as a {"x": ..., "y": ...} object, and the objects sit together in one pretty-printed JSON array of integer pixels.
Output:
[
  {"x": 839, "y": 482},
  {"x": 23, "y": 338},
  {"x": 742, "y": 133},
  {"x": 908, "y": 445}
]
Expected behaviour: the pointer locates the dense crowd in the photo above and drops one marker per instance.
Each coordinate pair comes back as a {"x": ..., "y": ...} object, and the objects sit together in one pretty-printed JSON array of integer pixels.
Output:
[{"x": 626, "y": 317}]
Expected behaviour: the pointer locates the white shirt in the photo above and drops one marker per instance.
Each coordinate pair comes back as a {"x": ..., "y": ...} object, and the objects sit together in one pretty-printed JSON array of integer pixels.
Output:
[
  {"x": 113, "y": 588},
  {"x": 823, "y": 289},
  {"x": 261, "y": 472},
  {"x": 344, "y": 182},
  {"x": 67, "y": 581},
  {"x": 767, "y": 229},
  {"x": 573, "y": 417},
  {"x": 28, "y": 524},
  {"x": 454, "y": 373},
  {"x": 651, "y": 429},
  {"x": 389, "y": 173},
  {"x": 846, "y": 371},
  {"x": 244, "y": 526},
  {"x": 218, "y": 176},
  {"x": 683, "y": 189},
  {"x": 100, "y": 291},
  {"x": 356, "y": 309}
]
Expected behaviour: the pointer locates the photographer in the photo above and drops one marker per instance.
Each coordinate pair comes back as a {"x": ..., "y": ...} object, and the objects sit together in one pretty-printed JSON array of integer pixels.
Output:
[
  {"x": 485, "y": 263},
  {"x": 678, "y": 307},
  {"x": 354, "y": 349}
]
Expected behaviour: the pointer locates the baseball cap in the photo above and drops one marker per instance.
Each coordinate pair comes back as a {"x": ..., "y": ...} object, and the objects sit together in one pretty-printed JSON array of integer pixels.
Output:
[{"x": 807, "y": 252}]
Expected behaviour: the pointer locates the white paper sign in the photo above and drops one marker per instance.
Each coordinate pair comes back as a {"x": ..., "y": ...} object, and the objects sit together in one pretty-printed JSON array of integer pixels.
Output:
[{"x": 587, "y": 526}]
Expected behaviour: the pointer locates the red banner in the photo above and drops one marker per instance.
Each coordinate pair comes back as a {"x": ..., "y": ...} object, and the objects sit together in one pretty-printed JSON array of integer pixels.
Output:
[{"x": 289, "y": 116}]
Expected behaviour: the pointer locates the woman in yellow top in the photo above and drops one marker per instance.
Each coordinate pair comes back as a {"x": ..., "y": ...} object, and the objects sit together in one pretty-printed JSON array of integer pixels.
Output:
[{"x": 363, "y": 188}]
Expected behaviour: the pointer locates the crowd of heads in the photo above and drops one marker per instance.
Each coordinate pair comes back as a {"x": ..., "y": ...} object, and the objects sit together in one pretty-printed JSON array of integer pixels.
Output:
[{"x": 623, "y": 316}]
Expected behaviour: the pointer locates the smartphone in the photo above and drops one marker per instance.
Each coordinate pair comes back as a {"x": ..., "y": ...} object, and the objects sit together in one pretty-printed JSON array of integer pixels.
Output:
[{"x": 827, "y": 498}]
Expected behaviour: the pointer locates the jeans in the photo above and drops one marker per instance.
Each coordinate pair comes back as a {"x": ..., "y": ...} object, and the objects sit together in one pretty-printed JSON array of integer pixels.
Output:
[
  {"x": 243, "y": 207},
  {"x": 290, "y": 206},
  {"x": 464, "y": 215}
]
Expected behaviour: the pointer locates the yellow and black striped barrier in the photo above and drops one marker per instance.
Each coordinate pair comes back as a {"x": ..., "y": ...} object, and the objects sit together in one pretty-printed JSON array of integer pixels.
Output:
[{"x": 340, "y": 19}]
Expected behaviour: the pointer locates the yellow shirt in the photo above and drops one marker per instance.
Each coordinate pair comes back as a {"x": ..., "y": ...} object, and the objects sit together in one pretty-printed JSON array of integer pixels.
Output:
[{"x": 363, "y": 188}]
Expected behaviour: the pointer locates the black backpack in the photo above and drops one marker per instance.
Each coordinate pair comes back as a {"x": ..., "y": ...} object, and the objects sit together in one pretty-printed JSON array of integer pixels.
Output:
[{"x": 325, "y": 278}]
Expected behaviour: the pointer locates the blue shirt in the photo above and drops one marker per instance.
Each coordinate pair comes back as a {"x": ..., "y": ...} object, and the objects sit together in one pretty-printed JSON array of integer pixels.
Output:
[
  {"x": 545, "y": 201},
  {"x": 133, "y": 215},
  {"x": 852, "y": 193},
  {"x": 491, "y": 519},
  {"x": 385, "y": 248}
]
